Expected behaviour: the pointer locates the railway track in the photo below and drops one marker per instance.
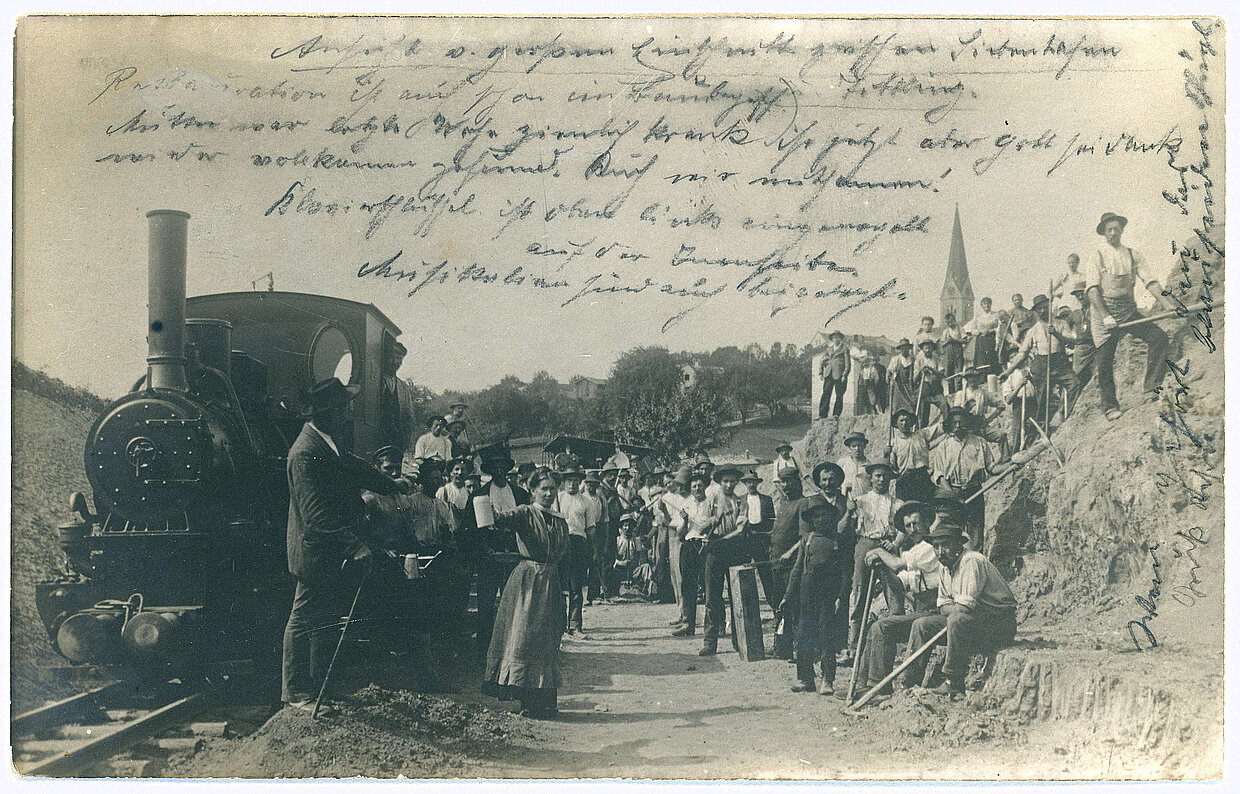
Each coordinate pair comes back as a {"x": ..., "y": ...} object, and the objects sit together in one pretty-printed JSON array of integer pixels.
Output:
[{"x": 70, "y": 736}]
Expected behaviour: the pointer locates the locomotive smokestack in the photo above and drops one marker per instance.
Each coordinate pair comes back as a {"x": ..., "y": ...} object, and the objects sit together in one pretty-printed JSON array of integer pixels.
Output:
[{"x": 165, "y": 359}]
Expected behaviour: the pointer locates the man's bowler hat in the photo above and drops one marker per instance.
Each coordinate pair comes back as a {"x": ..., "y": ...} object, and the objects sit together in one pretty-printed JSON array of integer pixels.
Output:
[
  {"x": 856, "y": 438},
  {"x": 826, "y": 466}
]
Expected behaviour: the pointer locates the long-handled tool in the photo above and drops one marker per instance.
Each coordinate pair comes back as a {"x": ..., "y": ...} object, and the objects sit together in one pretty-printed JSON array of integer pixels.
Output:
[
  {"x": 1046, "y": 437},
  {"x": 1029, "y": 454},
  {"x": 1050, "y": 315},
  {"x": 912, "y": 657},
  {"x": 869, "y": 598},
  {"x": 344, "y": 629},
  {"x": 1170, "y": 315}
]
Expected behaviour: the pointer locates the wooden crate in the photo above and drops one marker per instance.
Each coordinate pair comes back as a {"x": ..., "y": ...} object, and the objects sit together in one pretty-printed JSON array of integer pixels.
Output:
[{"x": 746, "y": 614}]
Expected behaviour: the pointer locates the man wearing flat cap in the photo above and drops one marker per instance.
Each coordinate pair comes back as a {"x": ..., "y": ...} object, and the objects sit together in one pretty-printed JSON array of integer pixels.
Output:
[
  {"x": 834, "y": 370},
  {"x": 1112, "y": 272},
  {"x": 975, "y": 604},
  {"x": 853, "y": 463},
  {"x": 325, "y": 516}
]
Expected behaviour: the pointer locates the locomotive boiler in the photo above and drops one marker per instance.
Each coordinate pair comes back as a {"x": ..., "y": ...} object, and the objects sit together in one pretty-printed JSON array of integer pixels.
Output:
[{"x": 182, "y": 563}]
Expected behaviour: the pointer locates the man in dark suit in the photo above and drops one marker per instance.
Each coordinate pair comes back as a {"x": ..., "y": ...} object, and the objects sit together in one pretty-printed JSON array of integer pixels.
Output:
[{"x": 325, "y": 533}]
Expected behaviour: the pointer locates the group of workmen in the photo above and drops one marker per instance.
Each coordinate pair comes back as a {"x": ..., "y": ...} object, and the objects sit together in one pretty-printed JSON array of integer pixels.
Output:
[
  {"x": 907, "y": 527},
  {"x": 1043, "y": 358}
]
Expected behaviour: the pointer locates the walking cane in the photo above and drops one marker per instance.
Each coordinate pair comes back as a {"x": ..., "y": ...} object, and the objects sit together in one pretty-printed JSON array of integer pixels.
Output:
[
  {"x": 921, "y": 382},
  {"x": 869, "y": 597},
  {"x": 1020, "y": 444},
  {"x": 327, "y": 676},
  {"x": 912, "y": 657}
]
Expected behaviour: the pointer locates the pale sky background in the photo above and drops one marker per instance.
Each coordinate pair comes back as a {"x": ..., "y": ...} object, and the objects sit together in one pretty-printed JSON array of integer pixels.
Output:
[{"x": 80, "y": 286}]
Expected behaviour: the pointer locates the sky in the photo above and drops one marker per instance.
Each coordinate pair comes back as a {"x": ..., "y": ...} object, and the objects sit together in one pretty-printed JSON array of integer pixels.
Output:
[{"x": 80, "y": 234}]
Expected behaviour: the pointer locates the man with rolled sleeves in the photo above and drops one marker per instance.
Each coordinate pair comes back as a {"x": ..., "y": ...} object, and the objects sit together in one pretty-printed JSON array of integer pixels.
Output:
[
  {"x": 959, "y": 466},
  {"x": 725, "y": 546},
  {"x": 326, "y": 551},
  {"x": 872, "y": 516},
  {"x": 853, "y": 464},
  {"x": 702, "y": 517},
  {"x": 1111, "y": 274},
  {"x": 975, "y": 604}
]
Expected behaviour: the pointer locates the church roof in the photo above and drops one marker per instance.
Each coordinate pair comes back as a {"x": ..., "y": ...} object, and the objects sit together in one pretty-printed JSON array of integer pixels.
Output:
[{"x": 957, "y": 266}]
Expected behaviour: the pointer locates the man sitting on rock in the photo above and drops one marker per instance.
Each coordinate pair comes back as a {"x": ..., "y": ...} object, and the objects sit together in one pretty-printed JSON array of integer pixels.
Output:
[{"x": 975, "y": 605}]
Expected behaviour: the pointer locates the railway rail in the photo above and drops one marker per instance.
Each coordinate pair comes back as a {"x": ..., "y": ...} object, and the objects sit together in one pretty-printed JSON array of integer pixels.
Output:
[{"x": 73, "y": 735}]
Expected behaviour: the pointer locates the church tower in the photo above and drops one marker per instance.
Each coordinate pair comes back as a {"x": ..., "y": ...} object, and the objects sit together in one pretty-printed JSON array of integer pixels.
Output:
[{"x": 957, "y": 295}]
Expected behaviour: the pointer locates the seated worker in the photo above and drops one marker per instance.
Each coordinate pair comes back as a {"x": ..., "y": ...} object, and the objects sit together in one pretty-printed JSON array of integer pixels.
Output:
[
  {"x": 959, "y": 466},
  {"x": 975, "y": 605},
  {"x": 811, "y": 596},
  {"x": 632, "y": 562}
]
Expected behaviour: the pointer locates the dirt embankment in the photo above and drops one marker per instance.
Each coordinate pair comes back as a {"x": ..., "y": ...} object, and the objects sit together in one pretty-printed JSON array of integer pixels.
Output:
[{"x": 48, "y": 439}]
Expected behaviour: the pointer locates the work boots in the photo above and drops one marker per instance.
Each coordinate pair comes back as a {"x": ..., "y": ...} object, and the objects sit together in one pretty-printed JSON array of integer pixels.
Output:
[{"x": 805, "y": 675}]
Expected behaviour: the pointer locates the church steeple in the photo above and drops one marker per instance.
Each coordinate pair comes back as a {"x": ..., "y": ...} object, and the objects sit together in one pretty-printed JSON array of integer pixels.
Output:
[{"x": 957, "y": 295}]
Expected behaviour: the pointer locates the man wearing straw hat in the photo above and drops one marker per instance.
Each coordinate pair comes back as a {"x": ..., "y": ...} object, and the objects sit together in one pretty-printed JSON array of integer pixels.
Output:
[
  {"x": 324, "y": 535},
  {"x": 1111, "y": 275}
]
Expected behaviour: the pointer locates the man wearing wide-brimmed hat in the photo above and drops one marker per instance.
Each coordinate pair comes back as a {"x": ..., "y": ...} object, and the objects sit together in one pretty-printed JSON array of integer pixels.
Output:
[
  {"x": 901, "y": 381},
  {"x": 959, "y": 466},
  {"x": 929, "y": 379},
  {"x": 759, "y": 513},
  {"x": 834, "y": 369},
  {"x": 975, "y": 604},
  {"x": 325, "y": 533},
  {"x": 1112, "y": 272},
  {"x": 1045, "y": 346},
  {"x": 572, "y": 504},
  {"x": 725, "y": 546}
]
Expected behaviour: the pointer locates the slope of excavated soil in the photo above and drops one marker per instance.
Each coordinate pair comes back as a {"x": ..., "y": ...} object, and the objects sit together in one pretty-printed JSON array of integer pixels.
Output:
[{"x": 48, "y": 439}]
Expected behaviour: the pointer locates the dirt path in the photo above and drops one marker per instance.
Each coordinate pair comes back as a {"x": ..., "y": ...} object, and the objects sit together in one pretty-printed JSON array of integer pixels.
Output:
[{"x": 640, "y": 703}]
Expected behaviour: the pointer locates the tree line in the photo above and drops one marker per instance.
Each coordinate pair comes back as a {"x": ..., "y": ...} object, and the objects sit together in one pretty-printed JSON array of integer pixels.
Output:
[{"x": 645, "y": 401}]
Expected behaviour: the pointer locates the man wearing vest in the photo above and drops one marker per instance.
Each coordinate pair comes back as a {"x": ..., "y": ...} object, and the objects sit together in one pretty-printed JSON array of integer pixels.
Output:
[
  {"x": 1111, "y": 273},
  {"x": 836, "y": 364}
]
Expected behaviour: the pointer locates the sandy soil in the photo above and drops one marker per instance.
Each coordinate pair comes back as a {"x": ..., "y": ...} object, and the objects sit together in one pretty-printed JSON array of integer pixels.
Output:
[{"x": 638, "y": 703}]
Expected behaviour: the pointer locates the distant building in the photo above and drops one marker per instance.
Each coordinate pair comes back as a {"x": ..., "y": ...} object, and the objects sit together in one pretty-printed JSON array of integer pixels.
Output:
[
  {"x": 688, "y": 376},
  {"x": 957, "y": 295},
  {"x": 583, "y": 388}
]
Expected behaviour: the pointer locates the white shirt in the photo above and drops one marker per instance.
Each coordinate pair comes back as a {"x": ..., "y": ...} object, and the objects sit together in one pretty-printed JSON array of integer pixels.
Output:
[
  {"x": 324, "y": 436},
  {"x": 502, "y": 498},
  {"x": 983, "y": 323},
  {"x": 754, "y": 508},
  {"x": 876, "y": 515},
  {"x": 921, "y": 567},
  {"x": 574, "y": 508},
  {"x": 855, "y": 478},
  {"x": 1115, "y": 270},
  {"x": 432, "y": 446},
  {"x": 456, "y": 495}
]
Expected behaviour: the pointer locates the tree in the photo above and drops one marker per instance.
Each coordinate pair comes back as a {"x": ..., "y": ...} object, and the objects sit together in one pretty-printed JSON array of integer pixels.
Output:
[{"x": 646, "y": 405}]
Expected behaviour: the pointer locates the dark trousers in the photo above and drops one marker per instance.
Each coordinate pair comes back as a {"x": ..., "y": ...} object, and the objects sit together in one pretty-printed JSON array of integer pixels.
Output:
[
  {"x": 663, "y": 566},
  {"x": 573, "y": 570},
  {"x": 1104, "y": 361},
  {"x": 980, "y": 631},
  {"x": 760, "y": 552},
  {"x": 861, "y": 580},
  {"x": 829, "y": 385},
  {"x": 953, "y": 362},
  {"x": 972, "y": 515},
  {"x": 720, "y": 556},
  {"x": 311, "y": 634},
  {"x": 1062, "y": 377},
  {"x": 880, "y": 645},
  {"x": 691, "y": 568},
  {"x": 818, "y": 635},
  {"x": 493, "y": 573},
  {"x": 780, "y": 572}
]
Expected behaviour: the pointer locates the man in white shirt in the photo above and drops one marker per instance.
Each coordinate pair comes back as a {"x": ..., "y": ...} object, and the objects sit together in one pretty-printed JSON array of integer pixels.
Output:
[
  {"x": 1044, "y": 346},
  {"x": 701, "y": 517},
  {"x": 975, "y": 605},
  {"x": 434, "y": 443},
  {"x": 959, "y": 466},
  {"x": 453, "y": 492},
  {"x": 669, "y": 508},
  {"x": 575, "y": 565},
  {"x": 872, "y": 516},
  {"x": 1111, "y": 273},
  {"x": 982, "y": 328},
  {"x": 856, "y": 481}
]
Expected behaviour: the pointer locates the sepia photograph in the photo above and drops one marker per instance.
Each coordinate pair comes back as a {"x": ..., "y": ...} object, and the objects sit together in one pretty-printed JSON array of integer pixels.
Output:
[{"x": 694, "y": 398}]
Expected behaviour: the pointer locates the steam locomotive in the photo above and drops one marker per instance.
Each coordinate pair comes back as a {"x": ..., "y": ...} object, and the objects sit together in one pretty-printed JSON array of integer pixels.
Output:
[{"x": 182, "y": 564}]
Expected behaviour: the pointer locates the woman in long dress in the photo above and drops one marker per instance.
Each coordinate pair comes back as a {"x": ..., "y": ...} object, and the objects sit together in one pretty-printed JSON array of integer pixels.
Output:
[{"x": 522, "y": 661}]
